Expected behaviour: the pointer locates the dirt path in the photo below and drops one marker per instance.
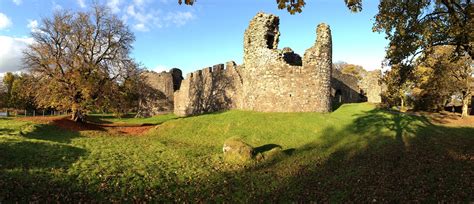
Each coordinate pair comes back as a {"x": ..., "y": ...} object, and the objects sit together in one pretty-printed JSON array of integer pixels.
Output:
[{"x": 64, "y": 122}]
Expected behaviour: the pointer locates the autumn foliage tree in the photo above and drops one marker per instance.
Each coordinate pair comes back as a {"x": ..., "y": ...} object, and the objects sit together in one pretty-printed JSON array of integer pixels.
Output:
[
  {"x": 77, "y": 58},
  {"x": 415, "y": 28},
  {"x": 438, "y": 77}
]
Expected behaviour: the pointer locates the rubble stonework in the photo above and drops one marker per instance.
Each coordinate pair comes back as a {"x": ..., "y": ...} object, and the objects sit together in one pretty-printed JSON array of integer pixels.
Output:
[
  {"x": 164, "y": 85},
  {"x": 208, "y": 90},
  {"x": 372, "y": 87},
  {"x": 346, "y": 88},
  {"x": 269, "y": 80}
]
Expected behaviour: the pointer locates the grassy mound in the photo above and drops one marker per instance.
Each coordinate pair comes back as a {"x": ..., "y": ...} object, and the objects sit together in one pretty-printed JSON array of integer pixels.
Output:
[{"x": 357, "y": 153}]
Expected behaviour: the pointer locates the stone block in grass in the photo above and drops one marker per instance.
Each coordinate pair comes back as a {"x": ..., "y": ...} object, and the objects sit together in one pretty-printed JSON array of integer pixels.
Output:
[{"x": 237, "y": 151}]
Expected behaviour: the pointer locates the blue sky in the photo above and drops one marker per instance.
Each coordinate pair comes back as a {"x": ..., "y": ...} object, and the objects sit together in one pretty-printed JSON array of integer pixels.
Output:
[{"x": 210, "y": 32}]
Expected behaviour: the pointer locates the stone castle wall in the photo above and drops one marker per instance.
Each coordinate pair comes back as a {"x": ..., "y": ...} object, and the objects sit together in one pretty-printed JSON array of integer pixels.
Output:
[
  {"x": 372, "y": 87},
  {"x": 160, "y": 98},
  {"x": 345, "y": 88},
  {"x": 208, "y": 90},
  {"x": 270, "y": 80},
  {"x": 272, "y": 83}
]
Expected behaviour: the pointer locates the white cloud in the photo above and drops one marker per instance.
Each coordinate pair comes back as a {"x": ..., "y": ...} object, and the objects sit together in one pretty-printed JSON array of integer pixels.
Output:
[
  {"x": 160, "y": 68},
  {"x": 179, "y": 18},
  {"x": 5, "y": 22},
  {"x": 141, "y": 27},
  {"x": 17, "y": 2},
  {"x": 369, "y": 63},
  {"x": 81, "y": 3},
  {"x": 114, "y": 5},
  {"x": 33, "y": 26},
  {"x": 56, "y": 6},
  {"x": 12, "y": 52},
  {"x": 142, "y": 18}
]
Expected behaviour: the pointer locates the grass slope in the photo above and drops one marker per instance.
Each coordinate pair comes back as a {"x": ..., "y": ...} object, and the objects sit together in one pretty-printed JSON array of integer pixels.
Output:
[{"x": 357, "y": 153}]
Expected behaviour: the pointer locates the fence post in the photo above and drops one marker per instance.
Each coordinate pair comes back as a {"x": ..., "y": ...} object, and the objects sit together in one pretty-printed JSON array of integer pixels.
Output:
[
  {"x": 43, "y": 112},
  {"x": 34, "y": 113}
]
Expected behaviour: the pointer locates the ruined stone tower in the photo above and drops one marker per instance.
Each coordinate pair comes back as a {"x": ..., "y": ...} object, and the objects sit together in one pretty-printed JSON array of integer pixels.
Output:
[
  {"x": 275, "y": 83},
  {"x": 269, "y": 80}
]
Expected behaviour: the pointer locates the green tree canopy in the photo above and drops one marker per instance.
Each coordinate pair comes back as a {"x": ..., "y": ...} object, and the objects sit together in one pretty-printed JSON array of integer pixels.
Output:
[
  {"x": 438, "y": 77},
  {"x": 415, "y": 27}
]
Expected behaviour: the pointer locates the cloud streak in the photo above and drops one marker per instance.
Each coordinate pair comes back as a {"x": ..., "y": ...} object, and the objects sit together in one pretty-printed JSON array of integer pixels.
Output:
[
  {"x": 81, "y": 3},
  {"x": 142, "y": 16},
  {"x": 17, "y": 2}
]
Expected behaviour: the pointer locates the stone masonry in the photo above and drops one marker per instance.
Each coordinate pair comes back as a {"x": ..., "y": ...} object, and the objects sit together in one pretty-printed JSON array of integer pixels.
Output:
[
  {"x": 163, "y": 86},
  {"x": 372, "y": 87},
  {"x": 345, "y": 88},
  {"x": 269, "y": 80}
]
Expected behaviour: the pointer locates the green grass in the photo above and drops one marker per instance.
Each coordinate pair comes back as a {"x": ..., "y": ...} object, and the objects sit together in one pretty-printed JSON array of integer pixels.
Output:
[
  {"x": 357, "y": 154},
  {"x": 109, "y": 118}
]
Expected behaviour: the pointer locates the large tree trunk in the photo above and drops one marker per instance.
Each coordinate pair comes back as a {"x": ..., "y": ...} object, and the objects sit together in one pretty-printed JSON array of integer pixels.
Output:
[
  {"x": 78, "y": 115},
  {"x": 465, "y": 101},
  {"x": 402, "y": 105}
]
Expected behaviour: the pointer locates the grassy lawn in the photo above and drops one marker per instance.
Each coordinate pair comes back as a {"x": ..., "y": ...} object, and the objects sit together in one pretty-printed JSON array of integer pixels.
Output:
[
  {"x": 357, "y": 154},
  {"x": 109, "y": 118}
]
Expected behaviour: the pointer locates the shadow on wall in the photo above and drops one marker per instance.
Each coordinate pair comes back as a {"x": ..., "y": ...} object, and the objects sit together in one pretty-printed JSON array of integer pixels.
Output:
[
  {"x": 212, "y": 94},
  {"x": 342, "y": 93},
  {"x": 152, "y": 101}
]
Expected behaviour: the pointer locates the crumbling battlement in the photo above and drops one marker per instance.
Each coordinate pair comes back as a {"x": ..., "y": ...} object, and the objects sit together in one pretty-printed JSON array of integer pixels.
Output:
[
  {"x": 208, "y": 90},
  {"x": 160, "y": 98},
  {"x": 270, "y": 80}
]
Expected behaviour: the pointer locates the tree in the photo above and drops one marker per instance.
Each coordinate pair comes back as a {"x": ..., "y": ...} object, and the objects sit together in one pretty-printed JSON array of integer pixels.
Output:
[
  {"x": 8, "y": 81},
  {"x": 77, "y": 58},
  {"x": 296, "y": 6},
  {"x": 438, "y": 77},
  {"x": 22, "y": 93},
  {"x": 355, "y": 70},
  {"x": 395, "y": 93},
  {"x": 415, "y": 27}
]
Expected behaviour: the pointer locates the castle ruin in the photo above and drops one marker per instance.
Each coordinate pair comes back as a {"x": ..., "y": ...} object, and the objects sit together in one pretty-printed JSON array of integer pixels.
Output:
[{"x": 269, "y": 80}]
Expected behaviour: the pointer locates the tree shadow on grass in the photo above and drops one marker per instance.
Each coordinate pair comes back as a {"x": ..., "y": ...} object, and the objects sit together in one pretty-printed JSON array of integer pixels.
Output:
[
  {"x": 36, "y": 170},
  {"x": 386, "y": 157},
  {"x": 52, "y": 133},
  {"x": 380, "y": 157},
  {"x": 28, "y": 154}
]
